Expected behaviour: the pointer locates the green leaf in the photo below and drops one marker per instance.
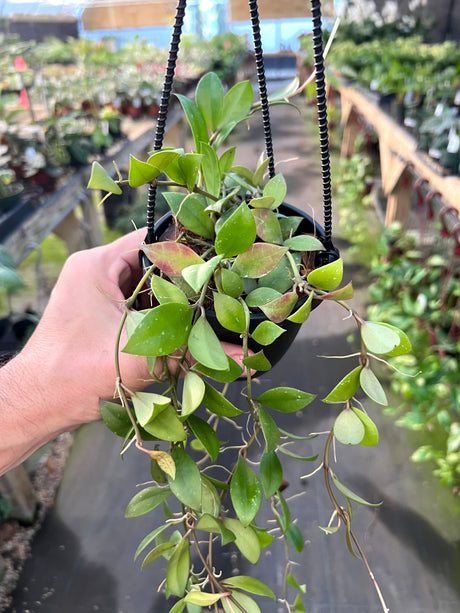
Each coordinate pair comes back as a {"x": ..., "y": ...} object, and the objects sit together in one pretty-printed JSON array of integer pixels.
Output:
[
  {"x": 285, "y": 399},
  {"x": 192, "y": 393},
  {"x": 140, "y": 172},
  {"x": 195, "y": 119},
  {"x": 209, "y": 97},
  {"x": 178, "y": 607},
  {"x": 210, "y": 169},
  {"x": 327, "y": 277},
  {"x": 246, "y": 604},
  {"x": 115, "y": 417},
  {"x": 378, "y": 338},
  {"x": 258, "y": 361},
  {"x": 203, "y": 599},
  {"x": 146, "y": 500},
  {"x": 198, "y": 275},
  {"x": 156, "y": 553},
  {"x": 404, "y": 346},
  {"x": 171, "y": 257},
  {"x": 279, "y": 309},
  {"x": 166, "y": 426},
  {"x": 271, "y": 473},
  {"x": 237, "y": 233},
  {"x": 346, "y": 388},
  {"x": 162, "y": 159},
  {"x": 267, "y": 226},
  {"x": 148, "y": 405},
  {"x": 296, "y": 456},
  {"x": 100, "y": 179},
  {"x": 186, "y": 486},
  {"x": 249, "y": 584},
  {"x": 295, "y": 537},
  {"x": 302, "y": 588},
  {"x": 164, "y": 329},
  {"x": 304, "y": 242},
  {"x": 371, "y": 433},
  {"x": 372, "y": 386},
  {"x": 285, "y": 514},
  {"x": 206, "y": 435},
  {"x": 229, "y": 282},
  {"x": 237, "y": 103},
  {"x": 348, "y": 428},
  {"x": 351, "y": 495},
  {"x": 211, "y": 524},
  {"x": 245, "y": 492},
  {"x": 165, "y": 291},
  {"x": 289, "y": 225},
  {"x": 222, "y": 376},
  {"x": 226, "y": 160},
  {"x": 151, "y": 536},
  {"x": 267, "y": 332},
  {"x": 262, "y": 203},
  {"x": 276, "y": 188},
  {"x": 10, "y": 280},
  {"x": 230, "y": 313},
  {"x": 261, "y": 295},
  {"x": 178, "y": 569},
  {"x": 303, "y": 312},
  {"x": 269, "y": 429},
  {"x": 265, "y": 539},
  {"x": 215, "y": 402},
  {"x": 259, "y": 259},
  {"x": 190, "y": 167},
  {"x": 205, "y": 347},
  {"x": 190, "y": 211},
  {"x": 210, "y": 499},
  {"x": 245, "y": 539},
  {"x": 262, "y": 166}
]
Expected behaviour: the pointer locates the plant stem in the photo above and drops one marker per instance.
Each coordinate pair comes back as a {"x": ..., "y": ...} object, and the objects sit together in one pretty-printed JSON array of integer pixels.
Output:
[{"x": 346, "y": 519}]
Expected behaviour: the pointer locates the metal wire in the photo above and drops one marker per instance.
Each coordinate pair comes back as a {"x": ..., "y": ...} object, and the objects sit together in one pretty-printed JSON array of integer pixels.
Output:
[
  {"x": 163, "y": 112},
  {"x": 322, "y": 121},
  {"x": 258, "y": 52}
]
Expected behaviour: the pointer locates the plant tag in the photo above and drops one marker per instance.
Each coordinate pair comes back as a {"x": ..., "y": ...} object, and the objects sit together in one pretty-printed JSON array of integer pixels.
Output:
[
  {"x": 410, "y": 122},
  {"x": 439, "y": 109},
  {"x": 434, "y": 153},
  {"x": 454, "y": 141}
]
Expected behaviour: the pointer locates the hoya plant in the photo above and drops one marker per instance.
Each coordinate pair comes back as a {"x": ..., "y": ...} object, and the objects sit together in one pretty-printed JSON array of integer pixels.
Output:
[{"x": 230, "y": 261}]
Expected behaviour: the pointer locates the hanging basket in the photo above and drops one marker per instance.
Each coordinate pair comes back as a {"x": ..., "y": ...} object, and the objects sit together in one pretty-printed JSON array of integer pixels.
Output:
[
  {"x": 155, "y": 232},
  {"x": 276, "y": 350}
]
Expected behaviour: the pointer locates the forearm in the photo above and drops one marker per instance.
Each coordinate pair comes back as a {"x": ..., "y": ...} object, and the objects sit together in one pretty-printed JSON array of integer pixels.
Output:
[{"x": 26, "y": 422}]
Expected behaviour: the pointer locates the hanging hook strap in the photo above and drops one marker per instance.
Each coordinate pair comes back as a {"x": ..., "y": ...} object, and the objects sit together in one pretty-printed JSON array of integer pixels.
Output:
[
  {"x": 258, "y": 53},
  {"x": 322, "y": 123},
  {"x": 163, "y": 112}
]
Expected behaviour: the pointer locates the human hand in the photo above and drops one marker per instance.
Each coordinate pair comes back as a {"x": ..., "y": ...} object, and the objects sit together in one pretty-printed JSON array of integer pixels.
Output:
[{"x": 69, "y": 362}]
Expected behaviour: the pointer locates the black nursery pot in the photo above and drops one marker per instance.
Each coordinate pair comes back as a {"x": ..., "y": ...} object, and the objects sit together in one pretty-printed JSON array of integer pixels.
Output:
[{"x": 278, "y": 348}]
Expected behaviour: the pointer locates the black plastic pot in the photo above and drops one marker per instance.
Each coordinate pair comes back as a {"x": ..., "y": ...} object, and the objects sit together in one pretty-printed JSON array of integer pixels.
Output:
[{"x": 278, "y": 348}]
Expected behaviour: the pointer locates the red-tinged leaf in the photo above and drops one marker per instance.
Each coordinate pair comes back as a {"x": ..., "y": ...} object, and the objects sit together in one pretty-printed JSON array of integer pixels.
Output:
[
  {"x": 171, "y": 257},
  {"x": 258, "y": 260},
  {"x": 267, "y": 226},
  {"x": 344, "y": 293},
  {"x": 279, "y": 309}
]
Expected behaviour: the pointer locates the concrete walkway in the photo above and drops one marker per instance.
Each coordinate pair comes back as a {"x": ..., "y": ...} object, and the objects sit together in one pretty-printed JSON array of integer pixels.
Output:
[{"x": 82, "y": 558}]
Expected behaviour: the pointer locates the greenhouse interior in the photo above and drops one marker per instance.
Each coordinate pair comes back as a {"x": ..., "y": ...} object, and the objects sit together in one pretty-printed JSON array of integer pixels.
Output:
[{"x": 230, "y": 306}]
